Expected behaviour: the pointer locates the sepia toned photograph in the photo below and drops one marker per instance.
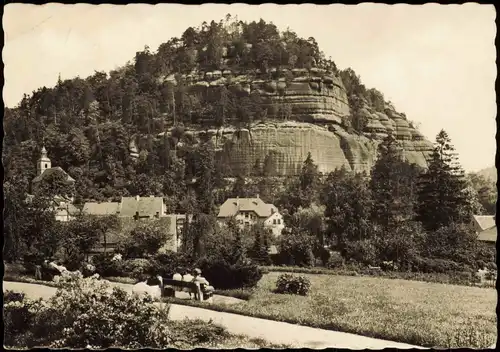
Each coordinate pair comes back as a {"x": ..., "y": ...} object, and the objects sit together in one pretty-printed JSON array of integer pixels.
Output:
[{"x": 228, "y": 176}]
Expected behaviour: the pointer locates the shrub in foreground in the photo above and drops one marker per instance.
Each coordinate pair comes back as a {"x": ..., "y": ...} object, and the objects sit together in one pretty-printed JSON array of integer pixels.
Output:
[
  {"x": 290, "y": 284},
  {"x": 87, "y": 312}
]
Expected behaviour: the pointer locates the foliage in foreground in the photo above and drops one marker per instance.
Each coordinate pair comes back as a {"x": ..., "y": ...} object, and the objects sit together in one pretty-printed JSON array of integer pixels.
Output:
[{"x": 88, "y": 313}]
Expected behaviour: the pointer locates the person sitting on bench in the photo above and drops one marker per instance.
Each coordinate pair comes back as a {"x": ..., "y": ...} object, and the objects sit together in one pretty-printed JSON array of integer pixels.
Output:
[
  {"x": 187, "y": 277},
  {"x": 200, "y": 280},
  {"x": 177, "y": 276}
]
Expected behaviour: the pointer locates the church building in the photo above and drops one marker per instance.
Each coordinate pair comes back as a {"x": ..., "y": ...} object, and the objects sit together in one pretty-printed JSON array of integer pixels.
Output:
[{"x": 65, "y": 210}]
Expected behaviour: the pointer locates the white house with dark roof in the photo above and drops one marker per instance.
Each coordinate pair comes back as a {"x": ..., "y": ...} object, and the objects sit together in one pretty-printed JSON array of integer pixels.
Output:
[{"x": 250, "y": 211}]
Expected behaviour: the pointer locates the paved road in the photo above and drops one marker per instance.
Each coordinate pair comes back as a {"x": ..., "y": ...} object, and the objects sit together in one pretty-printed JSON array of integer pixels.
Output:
[{"x": 272, "y": 331}]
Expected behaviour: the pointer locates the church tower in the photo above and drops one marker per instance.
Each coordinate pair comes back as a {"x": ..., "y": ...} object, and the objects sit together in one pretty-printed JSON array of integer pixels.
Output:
[{"x": 43, "y": 163}]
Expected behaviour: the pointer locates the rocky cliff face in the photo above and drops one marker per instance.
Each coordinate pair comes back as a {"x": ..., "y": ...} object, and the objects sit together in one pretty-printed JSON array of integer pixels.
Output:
[
  {"x": 287, "y": 144},
  {"x": 318, "y": 105}
]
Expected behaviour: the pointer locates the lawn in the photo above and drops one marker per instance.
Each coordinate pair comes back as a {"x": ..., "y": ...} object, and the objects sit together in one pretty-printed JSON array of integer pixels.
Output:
[{"x": 418, "y": 313}]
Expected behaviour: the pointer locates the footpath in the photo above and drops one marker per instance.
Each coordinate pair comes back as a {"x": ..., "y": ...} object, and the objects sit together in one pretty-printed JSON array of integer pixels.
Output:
[{"x": 276, "y": 332}]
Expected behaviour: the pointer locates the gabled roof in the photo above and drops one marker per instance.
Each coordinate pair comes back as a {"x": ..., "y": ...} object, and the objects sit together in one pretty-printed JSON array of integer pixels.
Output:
[
  {"x": 488, "y": 235},
  {"x": 485, "y": 221},
  {"x": 105, "y": 208},
  {"x": 50, "y": 171},
  {"x": 145, "y": 206},
  {"x": 234, "y": 205},
  {"x": 69, "y": 209}
]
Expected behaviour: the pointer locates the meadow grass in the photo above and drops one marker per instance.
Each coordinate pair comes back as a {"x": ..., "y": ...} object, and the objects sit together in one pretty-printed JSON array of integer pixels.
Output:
[{"x": 413, "y": 312}]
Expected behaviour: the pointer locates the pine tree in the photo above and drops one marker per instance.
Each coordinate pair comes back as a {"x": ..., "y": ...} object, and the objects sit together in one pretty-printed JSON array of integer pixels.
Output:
[
  {"x": 205, "y": 177},
  {"x": 239, "y": 187},
  {"x": 309, "y": 177},
  {"x": 392, "y": 185},
  {"x": 237, "y": 249},
  {"x": 260, "y": 248},
  {"x": 441, "y": 196}
]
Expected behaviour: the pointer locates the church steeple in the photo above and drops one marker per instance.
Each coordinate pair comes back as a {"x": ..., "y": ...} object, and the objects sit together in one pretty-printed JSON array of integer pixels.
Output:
[{"x": 43, "y": 163}]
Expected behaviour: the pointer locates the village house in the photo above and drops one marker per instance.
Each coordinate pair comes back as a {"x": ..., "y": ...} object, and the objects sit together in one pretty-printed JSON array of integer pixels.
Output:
[
  {"x": 250, "y": 211},
  {"x": 484, "y": 226},
  {"x": 131, "y": 209},
  {"x": 65, "y": 210}
]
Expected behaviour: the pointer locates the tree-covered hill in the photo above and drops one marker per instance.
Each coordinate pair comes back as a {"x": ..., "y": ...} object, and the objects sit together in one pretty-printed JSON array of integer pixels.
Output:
[{"x": 87, "y": 124}]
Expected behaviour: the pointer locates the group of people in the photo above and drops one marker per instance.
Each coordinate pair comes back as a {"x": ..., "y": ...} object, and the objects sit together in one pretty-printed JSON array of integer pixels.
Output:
[
  {"x": 49, "y": 270},
  {"x": 197, "y": 279}
]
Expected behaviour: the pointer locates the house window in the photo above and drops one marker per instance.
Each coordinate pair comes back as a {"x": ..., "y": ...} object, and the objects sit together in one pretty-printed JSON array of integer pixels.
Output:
[
  {"x": 274, "y": 221},
  {"x": 46, "y": 165},
  {"x": 157, "y": 214},
  {"x": 279, "y": 221}
]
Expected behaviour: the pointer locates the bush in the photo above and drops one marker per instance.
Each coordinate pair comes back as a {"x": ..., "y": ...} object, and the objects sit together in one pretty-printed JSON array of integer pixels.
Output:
[
  {"x": 105, "y": 266},
  {"x": 492, "y": 266},
  {"x": 168, "y": 263},
  {"x": 322, "y": 255},
  {"x": 364, "y": 251},
  {"x": 335, "y": 261},
  {"x": 19, "y": 315},
  {"x": 297, "y": 249},
  {"x": 87, "y": 313},
  {"x": 389, "y": 266},
  {"x": 188, "y": 333},
  {"x": 436, "y": 265},
  {"x": 139, "y": 269},
  {"x": 144, "y": 239},
  {"x": 290, "y": 284},
  {"x": 224, "y": 276},
  {"x": 12, "y": 296}
]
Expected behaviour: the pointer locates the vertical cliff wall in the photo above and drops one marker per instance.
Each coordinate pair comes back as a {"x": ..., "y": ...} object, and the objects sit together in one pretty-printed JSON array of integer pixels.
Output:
[{"x": 318, "y": 107}]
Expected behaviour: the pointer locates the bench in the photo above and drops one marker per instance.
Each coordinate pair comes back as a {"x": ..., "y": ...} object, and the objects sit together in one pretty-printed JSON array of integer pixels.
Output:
[{"x": 170, "y": 286}]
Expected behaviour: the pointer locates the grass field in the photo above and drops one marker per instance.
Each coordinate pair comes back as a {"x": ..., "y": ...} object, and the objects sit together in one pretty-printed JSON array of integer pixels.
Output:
[{"x": 418, "y": 313}]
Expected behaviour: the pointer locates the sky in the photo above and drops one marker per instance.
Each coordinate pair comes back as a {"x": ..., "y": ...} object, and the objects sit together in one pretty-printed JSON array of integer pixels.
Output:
[{"x": 436, "y": 63}]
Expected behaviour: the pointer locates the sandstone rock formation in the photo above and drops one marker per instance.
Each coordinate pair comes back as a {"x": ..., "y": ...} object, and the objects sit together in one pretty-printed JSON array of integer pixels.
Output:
[
  {"x": 318, "y": 105},
  {"x": 288, "y": 143}
]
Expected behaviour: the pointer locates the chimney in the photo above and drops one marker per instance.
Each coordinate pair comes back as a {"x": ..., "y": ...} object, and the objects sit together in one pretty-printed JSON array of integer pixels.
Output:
[
  {"x": 137, "y": 198},
  {"x": 258, "y": 196}
]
